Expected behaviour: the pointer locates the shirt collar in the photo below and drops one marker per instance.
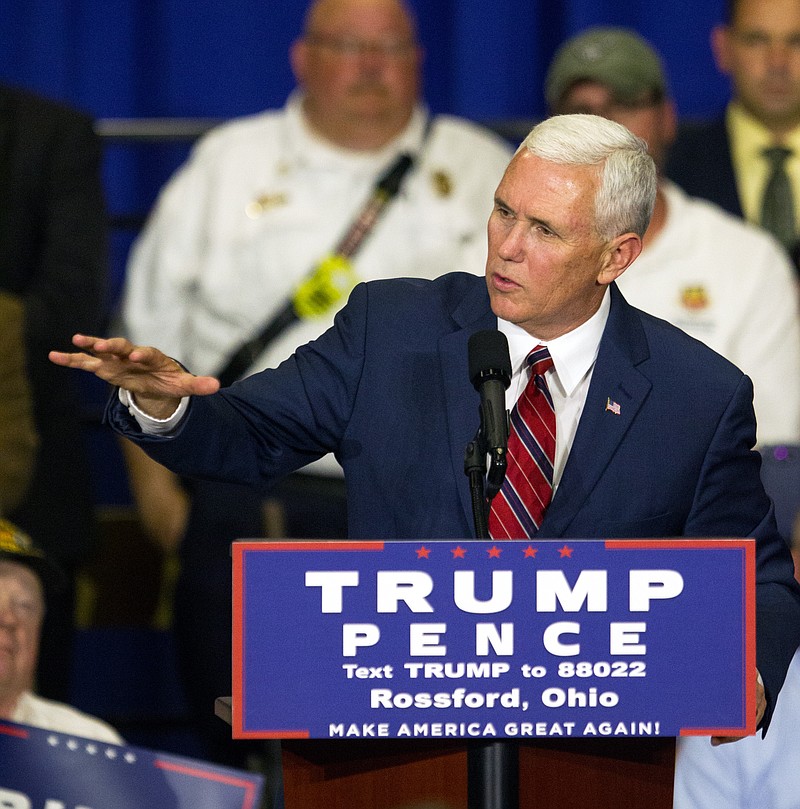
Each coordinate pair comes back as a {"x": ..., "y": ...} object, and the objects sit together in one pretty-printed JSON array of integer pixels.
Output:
[
  {"x": 574, "y": 353},
  {"x": 750, "y": 136}
]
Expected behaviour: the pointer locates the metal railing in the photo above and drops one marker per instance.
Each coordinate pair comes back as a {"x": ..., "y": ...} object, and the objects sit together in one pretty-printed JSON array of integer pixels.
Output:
[{"x": 188, "y": 129}]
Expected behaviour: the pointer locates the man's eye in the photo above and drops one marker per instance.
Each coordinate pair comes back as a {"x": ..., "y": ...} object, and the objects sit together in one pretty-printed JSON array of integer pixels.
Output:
[{"x": 753, "y": 39}]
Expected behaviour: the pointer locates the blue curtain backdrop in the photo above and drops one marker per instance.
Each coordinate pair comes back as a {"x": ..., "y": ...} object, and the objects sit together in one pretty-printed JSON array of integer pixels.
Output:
[
  {"x": 212, "y": 59},
  {"x": 485, "y": 60},
  {"x": 124, "y": 58}
]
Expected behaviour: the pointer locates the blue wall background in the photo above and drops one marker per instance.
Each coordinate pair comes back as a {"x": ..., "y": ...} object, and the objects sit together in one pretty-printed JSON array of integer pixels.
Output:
[{"x": 215, "y": 59}]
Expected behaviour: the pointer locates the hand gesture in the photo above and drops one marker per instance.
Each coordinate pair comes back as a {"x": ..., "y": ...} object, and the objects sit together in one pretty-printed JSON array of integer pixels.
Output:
[{"x": 156, "y": 381}]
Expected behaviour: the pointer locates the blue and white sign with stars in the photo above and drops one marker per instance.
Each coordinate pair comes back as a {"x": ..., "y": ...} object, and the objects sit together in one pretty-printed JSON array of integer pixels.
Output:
[{"x": 579, "y": 638}]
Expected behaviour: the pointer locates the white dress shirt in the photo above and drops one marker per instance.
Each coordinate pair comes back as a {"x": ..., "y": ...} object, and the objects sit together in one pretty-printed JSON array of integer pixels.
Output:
[{"x": 574, "y": 355}]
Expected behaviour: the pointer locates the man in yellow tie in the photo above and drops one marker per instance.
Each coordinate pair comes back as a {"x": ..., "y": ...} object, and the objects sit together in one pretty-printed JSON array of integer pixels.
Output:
[{"x": 748, "y": 160}]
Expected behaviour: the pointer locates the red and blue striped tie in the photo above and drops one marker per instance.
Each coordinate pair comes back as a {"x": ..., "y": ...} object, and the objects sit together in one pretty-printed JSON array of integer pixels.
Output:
[{"x": 518, "y": 509}]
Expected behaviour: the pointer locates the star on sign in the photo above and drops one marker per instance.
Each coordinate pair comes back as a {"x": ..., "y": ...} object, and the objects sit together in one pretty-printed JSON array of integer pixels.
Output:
[
  {"x": 565, "y": 551},
  {"x": 423, "y": 552},
  {"x": 494, "y": 552},
  {"x": 458, "y": 553},
  {"x": 530, "y": 552}
]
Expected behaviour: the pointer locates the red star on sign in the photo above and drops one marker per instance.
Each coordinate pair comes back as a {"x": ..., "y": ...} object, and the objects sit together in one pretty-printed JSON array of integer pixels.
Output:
[
  {"x": 423, "y": 552},
  {"x": 530, "y": 552},
  {"x": 565, "y": 551},
  {"x": 458, "y": 553},
  {"x": 494, "y": 552}
]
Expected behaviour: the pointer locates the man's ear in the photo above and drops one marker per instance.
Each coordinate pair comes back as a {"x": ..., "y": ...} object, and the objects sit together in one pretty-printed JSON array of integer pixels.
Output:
[
  {"x": 298, "y": 60},
  {"x": 720, "y": 47},
  {"x": 619, "y": 255},
  {"x": 669, "y": 122}
]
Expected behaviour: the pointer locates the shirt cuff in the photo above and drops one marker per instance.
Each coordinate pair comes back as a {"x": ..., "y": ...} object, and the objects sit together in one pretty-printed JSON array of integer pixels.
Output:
[{"x": 148, "y": 424}]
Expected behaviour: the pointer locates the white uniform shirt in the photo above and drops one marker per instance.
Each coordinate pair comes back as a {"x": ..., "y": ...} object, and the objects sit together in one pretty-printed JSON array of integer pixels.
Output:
[
  {"x": 730, "y": 285},
  {"x": 44, "y": 713},
  {"x": 211, "y": 267}
]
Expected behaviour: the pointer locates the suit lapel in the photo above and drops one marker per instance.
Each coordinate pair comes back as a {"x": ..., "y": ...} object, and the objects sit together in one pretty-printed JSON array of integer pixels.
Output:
[
  {"x": 600, "y": 430},
  {"x": 471, "y": 314},
  {"x": 723, "y": 173}
]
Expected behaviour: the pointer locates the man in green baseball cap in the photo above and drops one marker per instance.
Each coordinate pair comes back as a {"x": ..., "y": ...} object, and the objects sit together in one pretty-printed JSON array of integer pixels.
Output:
[{"x": 617, "y": 58}]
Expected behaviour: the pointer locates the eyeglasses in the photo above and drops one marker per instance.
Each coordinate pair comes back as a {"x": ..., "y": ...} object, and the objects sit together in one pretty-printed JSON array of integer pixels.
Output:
[{"x": 350, "y": 47}]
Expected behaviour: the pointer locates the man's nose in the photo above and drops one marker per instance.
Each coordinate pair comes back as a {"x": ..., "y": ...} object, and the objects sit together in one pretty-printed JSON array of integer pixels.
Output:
[
  {"x": 511, "y": 246},
  {"x": 8, "y": 616},
  {"x": 778, "y": 55}
]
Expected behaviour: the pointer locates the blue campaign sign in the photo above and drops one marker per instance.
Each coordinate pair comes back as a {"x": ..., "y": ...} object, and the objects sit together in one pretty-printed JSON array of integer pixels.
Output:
[
  {"x": 582, "y": 638},
  {"x": 42, "y": 768}
]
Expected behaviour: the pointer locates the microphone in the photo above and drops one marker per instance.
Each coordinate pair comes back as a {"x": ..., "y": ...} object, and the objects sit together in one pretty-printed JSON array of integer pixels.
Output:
[{"x": 490, "y": 374}]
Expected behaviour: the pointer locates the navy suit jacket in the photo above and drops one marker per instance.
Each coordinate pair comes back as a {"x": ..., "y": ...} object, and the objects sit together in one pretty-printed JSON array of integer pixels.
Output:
[
  {"x": 700, "y": 162},
  {"x": 387, "y": 389}
]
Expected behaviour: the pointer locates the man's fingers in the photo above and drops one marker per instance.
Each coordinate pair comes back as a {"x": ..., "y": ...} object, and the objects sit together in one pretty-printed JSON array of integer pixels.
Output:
[
  {"x": 84, "y": 361},
  {"x": 140, "y": 369},
  {"x": 716, "y": 741},
  {"x": 204, "y": 385},
  {"x": 100, "y": 345},
  {"x": 118, "y": 347}
]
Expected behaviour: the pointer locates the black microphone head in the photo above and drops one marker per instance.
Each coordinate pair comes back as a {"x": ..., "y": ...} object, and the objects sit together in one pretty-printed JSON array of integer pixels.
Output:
[{"x": 489, "y": 357}]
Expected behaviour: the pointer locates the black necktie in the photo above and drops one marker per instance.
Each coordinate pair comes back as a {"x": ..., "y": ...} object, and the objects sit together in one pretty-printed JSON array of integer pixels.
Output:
[{"x": 777, "y": 205}]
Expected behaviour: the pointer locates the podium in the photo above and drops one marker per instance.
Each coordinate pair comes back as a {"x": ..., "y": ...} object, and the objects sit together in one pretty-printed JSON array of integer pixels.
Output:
[
  {"x": 392, "y": 773},
  {"x": 482, "y": 675}
]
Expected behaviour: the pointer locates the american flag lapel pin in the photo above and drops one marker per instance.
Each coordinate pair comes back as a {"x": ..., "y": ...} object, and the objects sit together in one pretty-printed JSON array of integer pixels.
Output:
[{"x": 613, "y": 407}]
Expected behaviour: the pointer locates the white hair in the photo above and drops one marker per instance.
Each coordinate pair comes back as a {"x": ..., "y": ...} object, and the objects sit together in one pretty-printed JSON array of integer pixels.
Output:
[{"x": 627, "y": 193}]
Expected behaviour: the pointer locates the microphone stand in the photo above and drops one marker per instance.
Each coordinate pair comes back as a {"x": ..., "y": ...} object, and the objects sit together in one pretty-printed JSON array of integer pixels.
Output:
[
  {"x": 475, "y": 469},
  {"x": 492, "y": 768}
]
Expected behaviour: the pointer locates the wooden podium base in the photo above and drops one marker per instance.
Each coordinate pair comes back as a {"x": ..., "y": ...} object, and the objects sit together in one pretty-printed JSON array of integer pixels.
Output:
[
  {"x": 405, "y": 774},
  {"x": 375, "y": 773}
]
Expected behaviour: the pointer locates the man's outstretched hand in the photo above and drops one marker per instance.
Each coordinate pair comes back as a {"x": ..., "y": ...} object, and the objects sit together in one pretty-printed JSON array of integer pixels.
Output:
[{"x": 157, "y": 382}]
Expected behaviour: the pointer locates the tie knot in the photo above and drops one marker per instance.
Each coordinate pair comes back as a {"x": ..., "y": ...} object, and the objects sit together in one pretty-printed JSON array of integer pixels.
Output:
[
  {"x": 777, "y": 155},
  {"x": 539, "y": 360}
]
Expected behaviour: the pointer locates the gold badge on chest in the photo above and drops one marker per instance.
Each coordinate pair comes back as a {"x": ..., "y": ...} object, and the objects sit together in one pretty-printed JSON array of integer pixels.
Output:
[
  {"x": 694, "y": 298},
  {"x": 264, "y": 202},
  {"x": 442, "y": 183}
]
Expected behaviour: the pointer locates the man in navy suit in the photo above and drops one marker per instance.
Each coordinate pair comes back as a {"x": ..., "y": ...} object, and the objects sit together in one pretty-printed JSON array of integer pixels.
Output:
[
  {"x": 724, "y": 159},
  {"x": 654, "y": 430}
]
